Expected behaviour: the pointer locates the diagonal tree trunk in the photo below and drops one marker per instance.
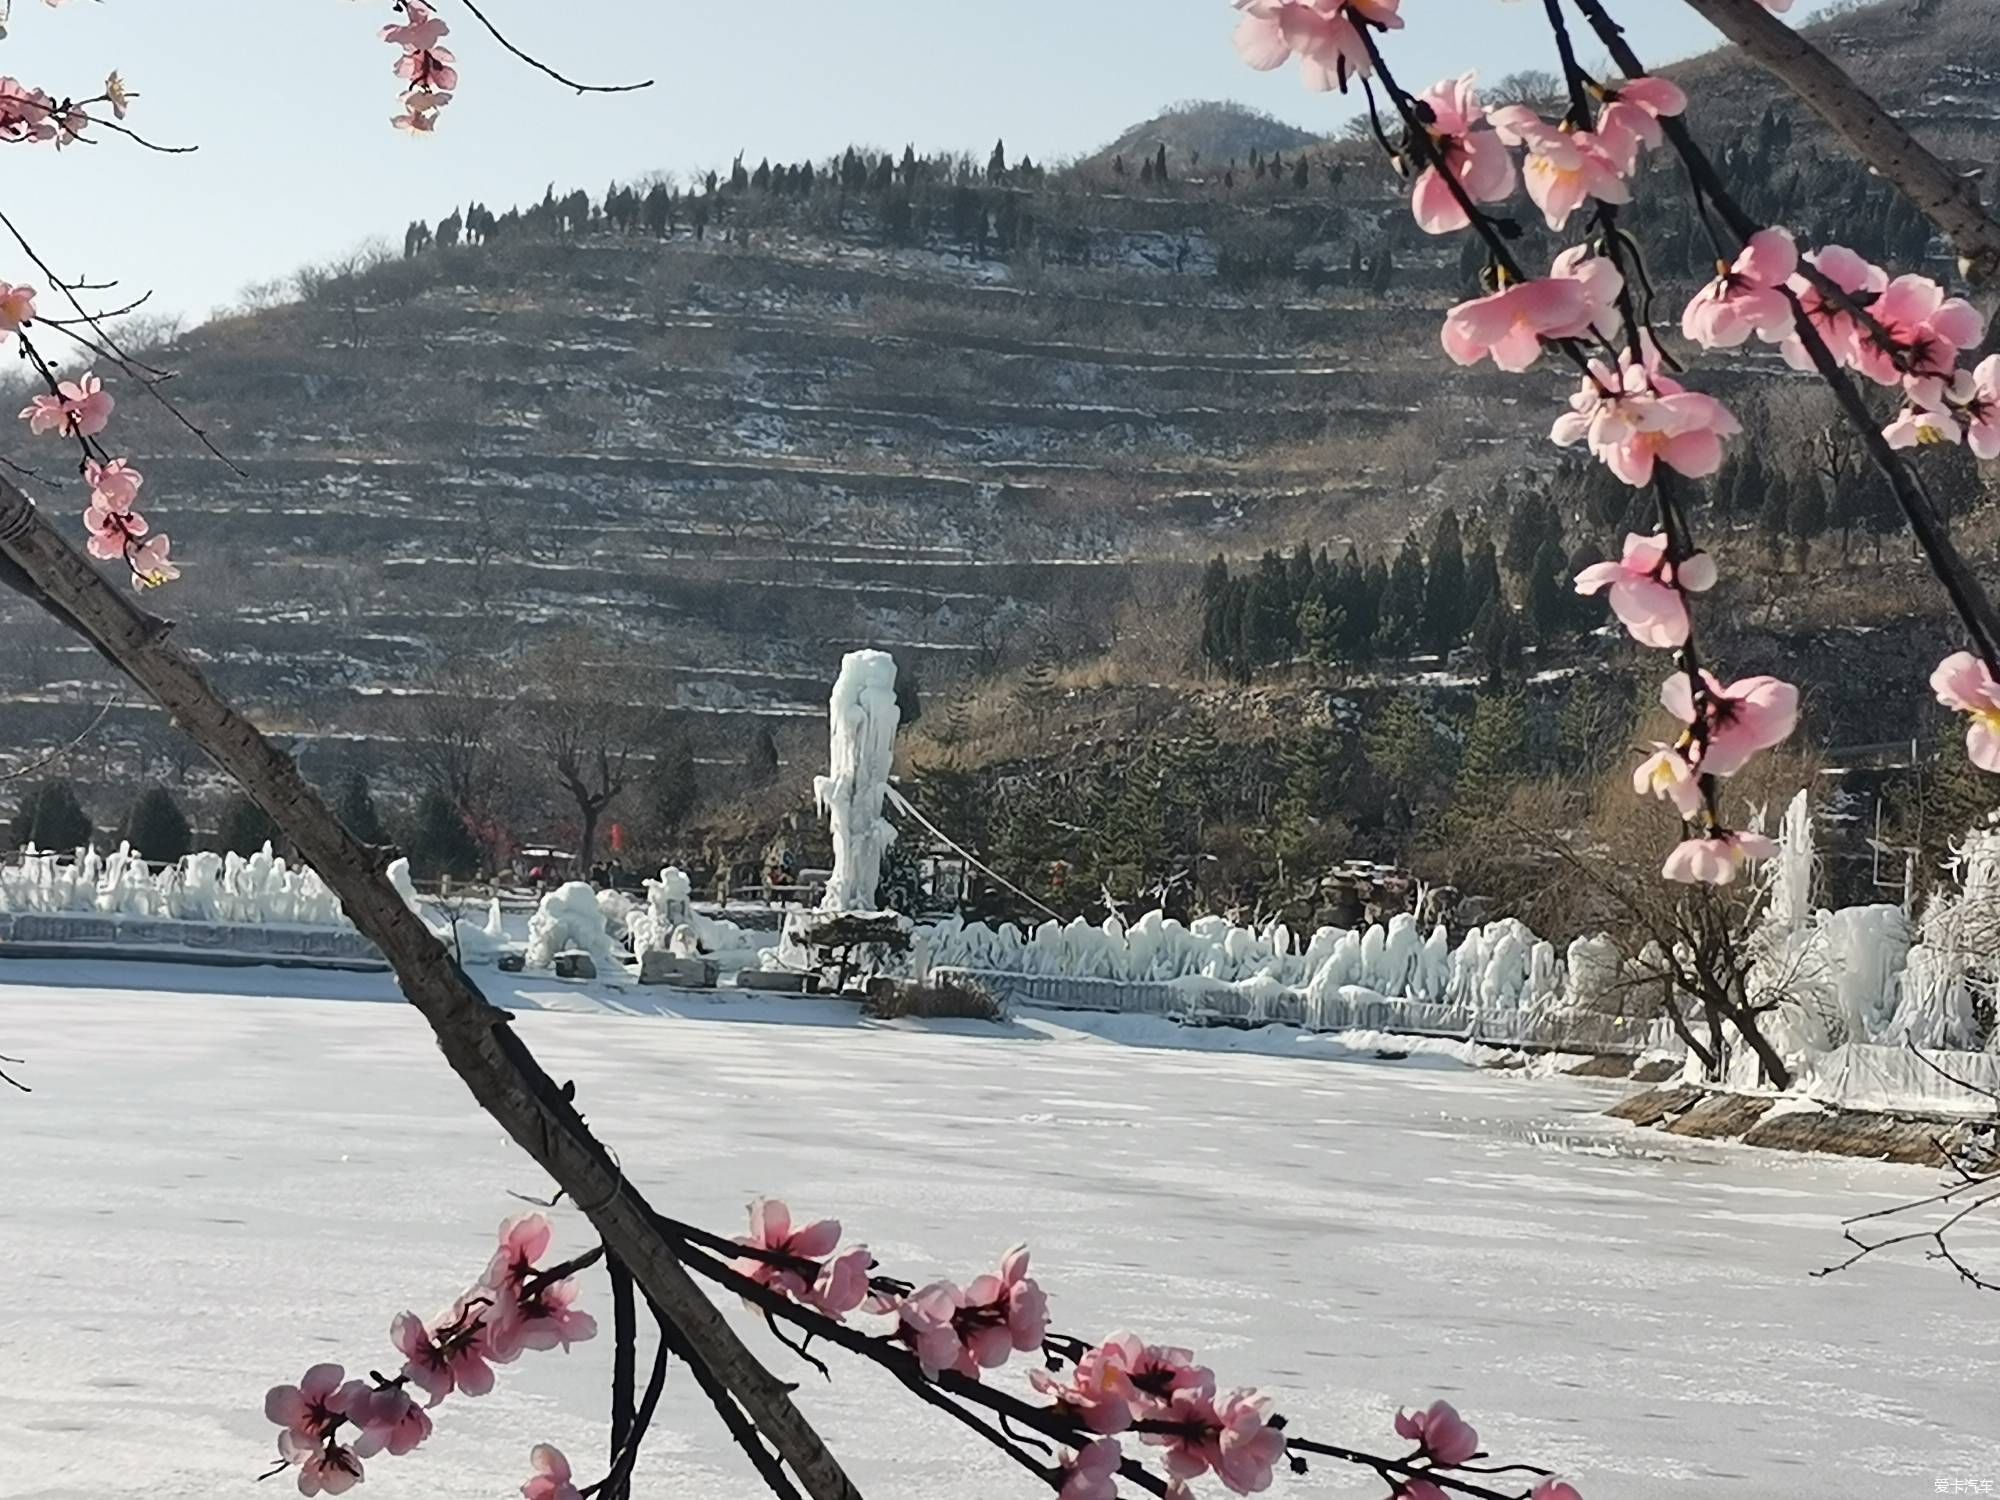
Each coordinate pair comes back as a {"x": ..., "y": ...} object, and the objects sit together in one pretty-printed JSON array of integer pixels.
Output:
[
  {"x": 1949, "y": 200},
  {"x": 475, "y": 1037}
]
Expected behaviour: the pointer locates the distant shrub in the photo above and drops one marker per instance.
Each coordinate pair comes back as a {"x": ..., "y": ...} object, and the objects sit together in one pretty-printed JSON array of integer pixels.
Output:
[{"x": 947, "y": 1000}]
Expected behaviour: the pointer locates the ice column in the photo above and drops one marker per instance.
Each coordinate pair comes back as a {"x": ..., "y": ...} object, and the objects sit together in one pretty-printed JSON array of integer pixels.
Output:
[{"x": 863, "y": 713}]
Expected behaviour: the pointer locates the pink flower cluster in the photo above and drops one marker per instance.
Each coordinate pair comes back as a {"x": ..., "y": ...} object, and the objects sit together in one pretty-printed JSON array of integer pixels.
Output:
[
  {"x": 834, "y": 1284},
  {"x": 1648, "y": 591},
  {"x": 1510, "y": 326},
  {"x": 1445, "y": 1440},
  {"x": 1564, "y": 167},
  {"x": 977, "y": 1327},
  {"x": 1324, "y": 35},
  {"x": 80, "y": 409},
  {"x": 1726, "y": 725},
  {"x": 29, "y": 116},
  {"x": 512, "y": 1308},
  {"x": 1901, "y": 332},
  {"x": 1639, "y": 417},
  {"x": 428, "y": 69},
  {"x": 1125, "y": 1380}
]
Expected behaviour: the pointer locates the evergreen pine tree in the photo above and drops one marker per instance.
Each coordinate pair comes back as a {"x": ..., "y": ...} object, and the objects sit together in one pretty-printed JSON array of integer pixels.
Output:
[
  {"x": 1321, "y": 627},
  {"x": 760, "y": 761},
  {"x": 439, "y": 843},
  {"x": 1490, "y": 766},
  {"x": 1482, "y": 578},
  {"x": 674, "y": 784},
  {"x": 1271, "y": 628},
  {"x": 1548, "y": 598},
  {"x": 1314, "y": 767},
  {"x": 53, "y": 820},
  {"x": 1400, "y": 625},
  {"x": 1445, "y": 594},
  {"x": 1406, "y": 754},
  {"x": 157, "y": 829},
  {"x": 246, "y": 827},
  {"x": 355, "y": 807}
]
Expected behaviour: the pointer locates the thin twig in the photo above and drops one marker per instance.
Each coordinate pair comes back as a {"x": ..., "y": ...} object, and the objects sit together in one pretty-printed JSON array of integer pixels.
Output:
[
  {"x": 541, "y": 67},
  {"x": 57, "y": 754}
]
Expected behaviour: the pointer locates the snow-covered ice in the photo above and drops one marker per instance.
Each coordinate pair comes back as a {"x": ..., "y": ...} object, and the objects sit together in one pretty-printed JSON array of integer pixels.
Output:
[{"x": 223, "y": 1177}]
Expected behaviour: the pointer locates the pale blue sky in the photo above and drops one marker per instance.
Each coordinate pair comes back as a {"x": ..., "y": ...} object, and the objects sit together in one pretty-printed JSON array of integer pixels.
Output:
[{"x": 290, "y": 102}]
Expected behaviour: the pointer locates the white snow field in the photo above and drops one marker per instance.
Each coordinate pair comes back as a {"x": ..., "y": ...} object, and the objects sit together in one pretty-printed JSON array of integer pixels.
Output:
[{"x": 223, "y": 1177}]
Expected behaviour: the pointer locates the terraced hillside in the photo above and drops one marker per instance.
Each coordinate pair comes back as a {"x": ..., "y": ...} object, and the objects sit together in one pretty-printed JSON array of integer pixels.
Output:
[
  {"x": 788, "y": 427},
  {"x": 747, "y": 454}
]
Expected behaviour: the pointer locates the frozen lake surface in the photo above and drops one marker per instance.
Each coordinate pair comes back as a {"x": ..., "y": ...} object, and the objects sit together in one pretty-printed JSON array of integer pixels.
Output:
[{"x": 211, "y": 1189}]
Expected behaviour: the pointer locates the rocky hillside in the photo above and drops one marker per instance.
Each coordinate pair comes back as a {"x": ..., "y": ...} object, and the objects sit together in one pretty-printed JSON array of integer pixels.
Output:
[{"x": 971, "y": 417}]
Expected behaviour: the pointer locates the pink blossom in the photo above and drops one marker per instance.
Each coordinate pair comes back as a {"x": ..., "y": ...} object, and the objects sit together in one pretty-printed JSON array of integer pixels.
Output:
[
  {"x": 1005, "y": 1313},
  {"x": 1601, "y": 282},
  {"x": 1510, "y": 325},
  {"x": 420, "y": 112},
  {"x": 1747, "y": 296},
  {"x": 452, "y": 1356},
  {"x": 1979, "y": 405},
  {"x": 1646, "y": 589},
  {"x": 112, "y": 531},
  {"x": 420, "y": 28},
  {"x": 539, "y": 1319},
  {"x": 1630, "y": 119},
  {"x": 524, "y": 1239},
  {"x": 1741, "y": 719},
  {"x": 1560, "y": 1489},
  {"x": 1092, "y": 1472},
  {"x": 152, "y": 563},
  {"x": 927, "y": 1322},
  {"x": 1919, "y": 427},
  {"x": 1100, "y": 1392},
  {"x": 1640, "y": 418},
  {"x": 1776, "y": 8},
  {"x": 312, "y": 1409},
  {"x": 1443, "y": 1435},
  {"x": 1666, "y": 773},
  {"x": 552, "y": 1479},
  {"x": 79, "y": 408},
  {"x": 842, "y": 1285},
  {"x": 979, "y": 1327},
  {"x": 1418, "y": 1489},
  {"x": 328, "y": 1470},
  {"x": 1964, "y": 683},
  {"x": 1564, "y": 168},
  {"x": 428, "y": 68},
  {"x": 771, "y": 1229},
  {"x": 836, "y": 1287},
  {"x": 1859, "y": 280},
  {"x": 25, "y": 113},
  {"x": 1917, "y": 337},
  {"x": 389, "y": 1420},
  {"x": 17, "y": 306},
  {"x": 1717, "y": 858},
  {"x": 1233, "y": 1438},
  {"x": 1472, "y": 153},
  {"x": 114, "y": 485},
  {"x": 1322, "y": 34}
]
